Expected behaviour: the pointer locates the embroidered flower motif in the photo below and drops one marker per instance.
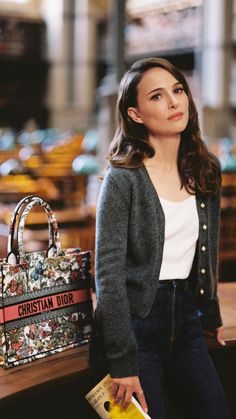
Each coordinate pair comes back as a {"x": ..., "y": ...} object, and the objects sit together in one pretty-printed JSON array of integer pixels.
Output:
[{"x": 13, "y": 286}]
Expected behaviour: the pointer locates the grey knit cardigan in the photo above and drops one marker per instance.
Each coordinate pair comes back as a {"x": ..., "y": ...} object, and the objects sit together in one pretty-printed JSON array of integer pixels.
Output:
[{"x": 130, "y": 227}]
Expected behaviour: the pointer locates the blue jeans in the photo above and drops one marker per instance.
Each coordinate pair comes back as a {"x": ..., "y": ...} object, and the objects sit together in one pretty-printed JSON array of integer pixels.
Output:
[{"x": 173, "y": 357}]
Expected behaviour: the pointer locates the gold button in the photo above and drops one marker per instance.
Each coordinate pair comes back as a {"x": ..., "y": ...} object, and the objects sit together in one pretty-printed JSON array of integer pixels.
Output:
[
  {"x": 203, "y": 248},
  {"x": 204, "y": 227},
  {"x": 203, "y": 271},
  {"x": 201, "y": 291},
  {"x": 203, "y": 204}
]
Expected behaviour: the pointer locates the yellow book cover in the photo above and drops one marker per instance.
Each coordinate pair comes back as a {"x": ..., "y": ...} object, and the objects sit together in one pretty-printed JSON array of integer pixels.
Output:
[{"x": 100, "y": 399}]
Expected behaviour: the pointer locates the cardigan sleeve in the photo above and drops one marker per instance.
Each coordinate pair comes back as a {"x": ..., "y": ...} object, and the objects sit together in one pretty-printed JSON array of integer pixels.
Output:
[
  {"x": 113, "y": 311},
  {"x": 210, "y": 307},
  {"x": 209, "y": 310}
]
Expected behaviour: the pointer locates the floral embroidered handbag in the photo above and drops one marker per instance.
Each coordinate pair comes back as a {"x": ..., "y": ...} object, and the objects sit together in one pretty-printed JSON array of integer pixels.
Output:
[{"x": 45, "y": 297}]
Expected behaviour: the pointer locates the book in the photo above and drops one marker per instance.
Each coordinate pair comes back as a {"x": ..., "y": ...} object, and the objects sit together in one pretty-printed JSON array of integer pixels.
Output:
[{"x": 100, "y": 398}]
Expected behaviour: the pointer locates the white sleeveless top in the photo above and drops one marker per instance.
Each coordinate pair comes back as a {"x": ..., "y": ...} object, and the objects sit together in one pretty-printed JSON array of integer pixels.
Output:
[{"x": 181, "y": 234}]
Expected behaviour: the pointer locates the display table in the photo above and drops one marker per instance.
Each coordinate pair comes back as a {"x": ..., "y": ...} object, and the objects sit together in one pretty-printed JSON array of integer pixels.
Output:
[
  {"x": 44, "y": 373},
  {"x": 52, "y": 387},
  {"x": 69, "y": 369}
]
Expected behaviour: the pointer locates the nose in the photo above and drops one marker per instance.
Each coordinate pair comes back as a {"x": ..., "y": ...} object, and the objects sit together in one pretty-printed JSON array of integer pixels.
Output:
[{"x": 173, "y": 102}]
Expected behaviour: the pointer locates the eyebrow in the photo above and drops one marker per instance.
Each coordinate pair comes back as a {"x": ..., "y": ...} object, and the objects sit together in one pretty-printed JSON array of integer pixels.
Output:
[{"x": 162, "y": 88}]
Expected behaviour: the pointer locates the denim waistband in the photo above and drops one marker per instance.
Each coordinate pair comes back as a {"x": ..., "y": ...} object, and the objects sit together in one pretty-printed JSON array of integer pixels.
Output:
[{"x": 167, "y": 283}]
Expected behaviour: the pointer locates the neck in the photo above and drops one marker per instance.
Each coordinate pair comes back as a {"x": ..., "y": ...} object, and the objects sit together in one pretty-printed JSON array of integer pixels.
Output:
[{"x": 166, "y": 152}]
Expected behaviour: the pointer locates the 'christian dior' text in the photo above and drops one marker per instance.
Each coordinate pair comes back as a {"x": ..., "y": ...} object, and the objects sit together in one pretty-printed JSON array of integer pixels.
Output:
[{"x": 45, "y": 304}]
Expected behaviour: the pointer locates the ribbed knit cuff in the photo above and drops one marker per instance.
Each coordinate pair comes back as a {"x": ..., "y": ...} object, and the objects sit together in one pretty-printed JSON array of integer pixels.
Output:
[
  {"x": 123, "y": 368},
  {"x": 211, "y": 317},
  {"x": 211, "y": 323}
]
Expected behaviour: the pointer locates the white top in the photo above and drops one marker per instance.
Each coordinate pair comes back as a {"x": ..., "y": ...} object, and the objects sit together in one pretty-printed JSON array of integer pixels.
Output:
[{"x": 181, "y": 234}]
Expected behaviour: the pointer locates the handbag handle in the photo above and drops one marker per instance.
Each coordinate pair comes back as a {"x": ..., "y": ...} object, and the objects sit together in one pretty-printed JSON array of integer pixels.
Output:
[
  {"x": 12, "y": 226},
  {"x": 54, "y": 240}
]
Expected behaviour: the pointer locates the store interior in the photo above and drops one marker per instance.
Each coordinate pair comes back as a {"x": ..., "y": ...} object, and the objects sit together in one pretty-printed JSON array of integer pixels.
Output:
[{"x": 61, "y": 62}]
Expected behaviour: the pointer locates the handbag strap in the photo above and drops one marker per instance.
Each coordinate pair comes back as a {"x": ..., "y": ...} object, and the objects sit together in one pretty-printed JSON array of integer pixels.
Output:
[{"x": 54, "y": 240}]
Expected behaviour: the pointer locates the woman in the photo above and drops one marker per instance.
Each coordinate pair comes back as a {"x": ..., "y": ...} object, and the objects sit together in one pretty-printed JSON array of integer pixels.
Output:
[{"x": 156, "y": 249}]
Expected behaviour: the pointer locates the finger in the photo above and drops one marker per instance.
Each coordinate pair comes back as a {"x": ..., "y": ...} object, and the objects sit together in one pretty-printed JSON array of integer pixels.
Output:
[
  {"x": 114, "y": 388},
  {"x": 120, "y": 394},
  {"x": 142, "y": 400},
  {"x": 221, "y": 341},
  {"x": 219, "y": 337},
  {"x": 127, "y": 400}
]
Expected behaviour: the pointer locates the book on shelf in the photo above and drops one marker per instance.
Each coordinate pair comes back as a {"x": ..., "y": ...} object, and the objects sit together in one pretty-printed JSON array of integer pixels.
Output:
[{"x": 100, "y": 398}]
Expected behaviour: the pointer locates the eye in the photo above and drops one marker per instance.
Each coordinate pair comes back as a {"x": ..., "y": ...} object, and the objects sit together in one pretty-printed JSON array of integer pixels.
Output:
[
  {"x": 157, "y": 96},
  {"x": 179, "y": 89}
]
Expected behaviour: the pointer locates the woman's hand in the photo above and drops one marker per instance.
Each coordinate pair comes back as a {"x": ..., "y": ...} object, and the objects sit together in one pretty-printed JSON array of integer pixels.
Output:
[
  {"x": 219, "y": 335},
  {"x": 123, "y": 389}
]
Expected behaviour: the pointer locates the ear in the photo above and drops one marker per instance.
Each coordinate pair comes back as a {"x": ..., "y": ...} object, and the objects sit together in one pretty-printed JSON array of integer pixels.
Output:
[{"x": 134, "y": 115}]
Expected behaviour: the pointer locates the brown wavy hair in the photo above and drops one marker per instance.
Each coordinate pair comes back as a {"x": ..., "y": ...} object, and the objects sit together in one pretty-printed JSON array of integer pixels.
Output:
[{"x": 199, "y": 169}]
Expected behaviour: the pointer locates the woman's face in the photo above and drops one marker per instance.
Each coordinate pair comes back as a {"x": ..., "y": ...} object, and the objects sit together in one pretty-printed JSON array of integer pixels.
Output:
[{"x": 162, "y": 104}]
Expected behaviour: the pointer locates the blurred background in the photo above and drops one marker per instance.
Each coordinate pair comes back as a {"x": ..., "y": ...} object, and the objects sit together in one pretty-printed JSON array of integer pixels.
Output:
[{"x": 60, "y": 65}]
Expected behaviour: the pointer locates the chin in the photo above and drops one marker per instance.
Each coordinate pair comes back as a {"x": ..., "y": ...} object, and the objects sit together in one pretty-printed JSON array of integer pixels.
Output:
[{"x": 181, "y": 126}]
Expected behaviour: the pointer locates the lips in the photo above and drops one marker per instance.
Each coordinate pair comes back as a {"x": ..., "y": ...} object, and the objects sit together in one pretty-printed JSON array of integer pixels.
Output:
[{"x": 176, "y": 116}]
